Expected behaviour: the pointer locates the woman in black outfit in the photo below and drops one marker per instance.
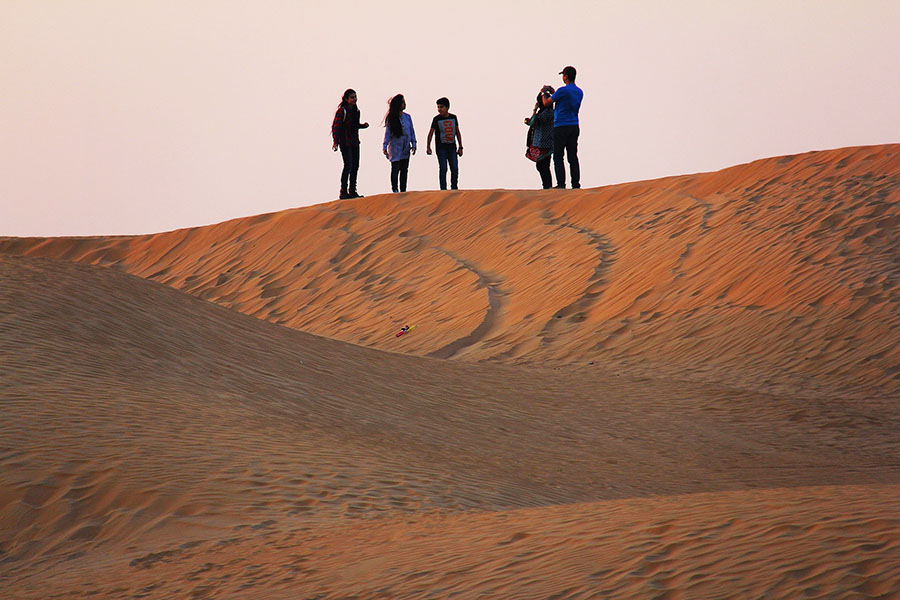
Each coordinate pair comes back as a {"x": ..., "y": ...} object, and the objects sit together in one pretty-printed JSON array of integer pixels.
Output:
[
  {"x": 540, "y": 135},
  {"x": 345, "y": 133}
]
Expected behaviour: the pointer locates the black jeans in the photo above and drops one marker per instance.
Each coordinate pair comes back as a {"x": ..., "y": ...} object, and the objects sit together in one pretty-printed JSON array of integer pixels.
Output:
[
  {"x": 350, "y": 154},
  {"x": 399, "y": 168},
  {"x": 543, "y": 167},
  {"x": 565, "y": 141}
]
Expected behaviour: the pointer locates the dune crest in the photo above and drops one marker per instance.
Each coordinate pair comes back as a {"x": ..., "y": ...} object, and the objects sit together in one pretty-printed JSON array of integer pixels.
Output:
[{"x": 781, "y": 272}]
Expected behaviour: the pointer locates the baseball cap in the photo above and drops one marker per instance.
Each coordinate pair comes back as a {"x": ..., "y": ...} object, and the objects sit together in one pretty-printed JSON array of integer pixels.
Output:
[{"x": 568, "y": 72}]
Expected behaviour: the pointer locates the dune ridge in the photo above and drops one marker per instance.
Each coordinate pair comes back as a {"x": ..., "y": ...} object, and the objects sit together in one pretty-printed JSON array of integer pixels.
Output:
[
  {"x": 678, "y": 388},
  {"x": 782, "y": 272}
]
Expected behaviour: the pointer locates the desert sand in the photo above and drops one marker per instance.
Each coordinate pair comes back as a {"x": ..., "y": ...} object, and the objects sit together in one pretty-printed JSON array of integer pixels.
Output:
[{"x": 680, "y": 388}]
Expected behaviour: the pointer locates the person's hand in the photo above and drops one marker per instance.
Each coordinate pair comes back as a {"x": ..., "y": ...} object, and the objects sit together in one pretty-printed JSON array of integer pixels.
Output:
[
  {"x": 413, "y": 151},
  {"x": 364, "y": 125},
  {"x": 428, "y": 151},
  {"x": 527, "y": 121},
  {"x": 334, "y": 147},
  {"x": 459, "y": 152}
]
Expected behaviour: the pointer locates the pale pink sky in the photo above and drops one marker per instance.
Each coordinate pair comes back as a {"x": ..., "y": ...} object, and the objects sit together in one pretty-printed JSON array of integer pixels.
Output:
[{"x": 137, "y": 116}]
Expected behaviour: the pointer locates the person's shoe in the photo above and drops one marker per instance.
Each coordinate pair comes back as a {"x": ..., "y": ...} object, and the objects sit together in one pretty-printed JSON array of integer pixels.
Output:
[
  {"x": 576, "y": 187},
  {"x": 344, "y": 195},
  {"x": 355, "y": 195},
  {"x": 395, "y": 190},
  {"x": 559, "y": 187}
]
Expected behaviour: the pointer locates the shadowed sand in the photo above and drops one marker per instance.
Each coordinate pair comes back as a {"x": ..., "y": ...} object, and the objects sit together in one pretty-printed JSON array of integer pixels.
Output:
[{"x": 678, "y": 388}]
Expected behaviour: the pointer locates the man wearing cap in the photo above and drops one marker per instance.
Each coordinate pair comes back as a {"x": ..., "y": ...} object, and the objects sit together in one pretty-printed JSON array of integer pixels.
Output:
[{"x": 565, "y": 129}]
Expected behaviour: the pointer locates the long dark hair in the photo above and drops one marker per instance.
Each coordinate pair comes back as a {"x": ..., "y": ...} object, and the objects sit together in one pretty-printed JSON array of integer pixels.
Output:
[
  {"x": 345, "y": 104},
  {"x": 392, "y": 118}
]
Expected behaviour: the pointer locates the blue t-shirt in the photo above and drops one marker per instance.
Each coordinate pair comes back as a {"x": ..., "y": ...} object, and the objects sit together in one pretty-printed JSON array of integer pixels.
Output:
[{"x": 568, "y": 101}]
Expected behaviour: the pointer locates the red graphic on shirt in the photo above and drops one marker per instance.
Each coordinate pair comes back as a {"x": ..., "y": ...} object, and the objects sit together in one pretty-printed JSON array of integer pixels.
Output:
[{"x": 447, "y": 130}]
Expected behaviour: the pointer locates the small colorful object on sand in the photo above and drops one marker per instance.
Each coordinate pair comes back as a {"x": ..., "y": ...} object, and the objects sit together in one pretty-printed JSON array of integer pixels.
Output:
[{"x": 405, "y": 329}]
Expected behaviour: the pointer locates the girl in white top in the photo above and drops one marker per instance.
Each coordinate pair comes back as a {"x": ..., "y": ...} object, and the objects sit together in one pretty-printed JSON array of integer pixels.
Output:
[{"x": 399, "y": 141}]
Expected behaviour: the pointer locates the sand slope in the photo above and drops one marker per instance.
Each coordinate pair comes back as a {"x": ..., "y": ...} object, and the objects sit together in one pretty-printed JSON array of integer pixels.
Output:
[
  {"x": 679, "y": 388},
  {"x": 782, "y": 272},
  {"x": 153, "y": 441}
]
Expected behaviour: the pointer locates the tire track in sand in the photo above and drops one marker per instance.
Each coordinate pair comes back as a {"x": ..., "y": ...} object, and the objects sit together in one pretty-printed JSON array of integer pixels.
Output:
[
  {"x": 491, "y": 316},
  {"x": 577, "y": 311}
]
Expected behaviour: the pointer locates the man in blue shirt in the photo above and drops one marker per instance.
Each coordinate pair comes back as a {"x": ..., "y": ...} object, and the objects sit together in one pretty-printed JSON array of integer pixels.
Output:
[{"x": 565, "y": 129}]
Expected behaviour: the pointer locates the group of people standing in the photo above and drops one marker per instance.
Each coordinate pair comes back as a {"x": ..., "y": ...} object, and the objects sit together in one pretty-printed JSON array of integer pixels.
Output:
[
  {"x": 552, "y": 131},
  {"x": 399, "y": 142}
]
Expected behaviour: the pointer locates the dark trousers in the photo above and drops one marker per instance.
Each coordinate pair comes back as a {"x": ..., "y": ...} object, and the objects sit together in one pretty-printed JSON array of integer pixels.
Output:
[
  {"x": 447, "y": 157},
  {"x": 565, "y": 141},
  {"x": 399, "y": 169},
  {"x": 543, "y": 167},
  {"x": 350, "y": 154}
]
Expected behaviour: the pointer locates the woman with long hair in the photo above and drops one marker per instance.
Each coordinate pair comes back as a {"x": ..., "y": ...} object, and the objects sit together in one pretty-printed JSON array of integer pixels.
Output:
[
  {"x": 345, "y": 135},
  {"x": 540, "y": 135},
  {"x": 399, "y": 141}
]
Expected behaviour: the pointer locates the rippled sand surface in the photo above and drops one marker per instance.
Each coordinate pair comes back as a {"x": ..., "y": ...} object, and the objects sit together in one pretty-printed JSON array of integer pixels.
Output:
[{"x": 678, "y": 388}]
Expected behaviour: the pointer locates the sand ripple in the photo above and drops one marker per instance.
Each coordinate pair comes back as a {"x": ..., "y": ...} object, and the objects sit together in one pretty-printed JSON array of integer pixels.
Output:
[{"x": 684, "y": 388}]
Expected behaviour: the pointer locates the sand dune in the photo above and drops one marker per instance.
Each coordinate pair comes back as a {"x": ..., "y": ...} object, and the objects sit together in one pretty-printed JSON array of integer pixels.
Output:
[
  {"x": 779, "y": 274},
  {"x": 678, "y": 388}
]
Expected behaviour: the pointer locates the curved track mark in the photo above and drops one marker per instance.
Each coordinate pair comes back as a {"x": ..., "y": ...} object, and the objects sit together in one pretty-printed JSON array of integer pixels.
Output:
[
  {"x": 576, "y": 311},
  {"x": 495, "y": 301}
]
